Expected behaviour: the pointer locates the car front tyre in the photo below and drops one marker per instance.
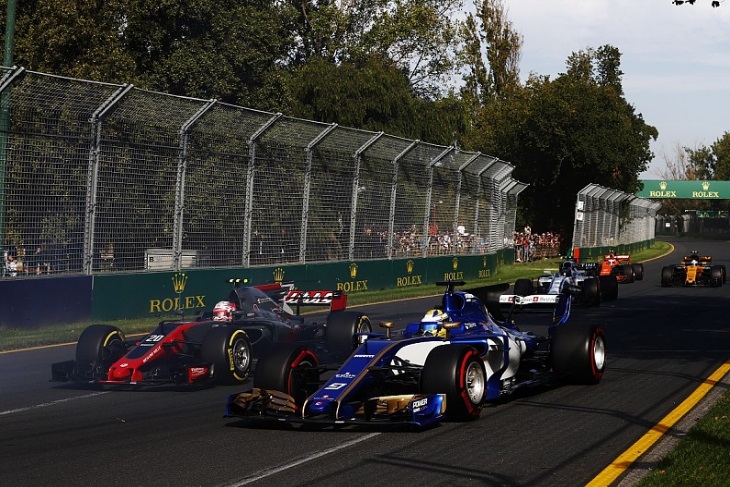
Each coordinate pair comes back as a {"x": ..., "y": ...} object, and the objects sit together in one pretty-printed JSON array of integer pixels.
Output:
[
  {"x": 288, "y": 368},
  {"x": 228, "y": 349},
  {"x": 457, "y": 371}
]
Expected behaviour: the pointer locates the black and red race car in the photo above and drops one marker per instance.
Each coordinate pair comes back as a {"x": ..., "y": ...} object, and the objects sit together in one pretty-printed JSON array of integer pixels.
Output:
[{"x": 212, "y": 347}]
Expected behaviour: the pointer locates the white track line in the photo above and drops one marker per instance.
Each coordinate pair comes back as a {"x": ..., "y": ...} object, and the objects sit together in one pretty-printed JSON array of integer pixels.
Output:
[
  {"x": 280, "y": 468},
  {"x": 52, "y": 403}
]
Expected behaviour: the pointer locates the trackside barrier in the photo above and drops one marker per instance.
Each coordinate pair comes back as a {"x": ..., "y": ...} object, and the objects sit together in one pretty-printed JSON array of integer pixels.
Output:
[{"x": 607, "y": 219}]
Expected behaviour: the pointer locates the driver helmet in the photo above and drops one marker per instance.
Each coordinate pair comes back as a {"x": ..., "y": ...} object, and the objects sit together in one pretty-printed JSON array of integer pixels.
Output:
[
  {"x": 223, "y": 311},
  {"x": 432, "y": 322}
]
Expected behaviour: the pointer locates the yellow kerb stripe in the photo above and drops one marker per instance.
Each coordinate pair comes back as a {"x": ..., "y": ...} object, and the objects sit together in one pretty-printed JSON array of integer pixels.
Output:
[{"x": 642, "y": 445}]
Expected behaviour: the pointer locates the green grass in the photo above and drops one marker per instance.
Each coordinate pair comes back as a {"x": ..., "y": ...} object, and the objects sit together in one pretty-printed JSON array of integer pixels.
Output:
[
  {"x": 20, "y": 338},
  {"x": 702, "y": 457}
]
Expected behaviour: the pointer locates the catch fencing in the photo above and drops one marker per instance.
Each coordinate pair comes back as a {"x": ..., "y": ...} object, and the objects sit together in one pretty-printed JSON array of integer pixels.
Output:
[
  {"x": 101, "y": 177},
  {"x": 607, "y": 217}
]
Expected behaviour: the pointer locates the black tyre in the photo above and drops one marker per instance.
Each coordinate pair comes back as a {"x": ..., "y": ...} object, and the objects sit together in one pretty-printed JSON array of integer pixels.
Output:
[
  {"x": 628, "y": 272},
  {"x": 609, "y": 287},
  {"x": 716, "y": 276},
  {"x": 638, "y": 271},
  {"x": 342, "y": 326},
  {"x": 457, "y": 371},
  {"x": 667, "y": 276},
  {"x": 229, "y": 351},
  {"x": 524, "y": 287},
  {"x": 591, "y": 291},
  {"x": 99, "y": 346},
  {"x": 578, "y": 353},
  {"x": 289, "y": 368}
]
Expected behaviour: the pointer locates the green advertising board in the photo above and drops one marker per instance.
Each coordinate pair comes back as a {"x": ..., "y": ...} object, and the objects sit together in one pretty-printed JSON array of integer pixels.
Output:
[
  {"x": 164, "y": 294},
  {"x": 694, "y": 190}
]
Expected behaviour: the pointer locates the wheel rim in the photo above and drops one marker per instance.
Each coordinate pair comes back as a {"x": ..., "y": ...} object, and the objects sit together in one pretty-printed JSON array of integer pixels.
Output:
[
  {"x": 599, "y": 353},
  {"x": 475, "y": 383},
  {"x": 241, "y": 355}
]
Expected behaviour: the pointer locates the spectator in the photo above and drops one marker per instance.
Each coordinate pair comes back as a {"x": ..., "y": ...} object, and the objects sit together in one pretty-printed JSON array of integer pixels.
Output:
[{"x": 11, "y": 265}]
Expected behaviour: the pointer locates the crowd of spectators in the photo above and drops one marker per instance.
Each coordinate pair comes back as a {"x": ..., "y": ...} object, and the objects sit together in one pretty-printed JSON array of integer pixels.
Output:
[{"x": 530, "y": 246}]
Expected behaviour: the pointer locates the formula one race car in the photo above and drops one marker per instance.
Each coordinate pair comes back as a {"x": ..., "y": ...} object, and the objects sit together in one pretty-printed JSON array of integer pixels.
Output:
[
  {"x": 694, "y": 270},
  {"x": 581, "y": 281},
  {"x": 441, "y": 368},
  {"x": 216, "y": 346},
  {"x": 621, "y": 267}
]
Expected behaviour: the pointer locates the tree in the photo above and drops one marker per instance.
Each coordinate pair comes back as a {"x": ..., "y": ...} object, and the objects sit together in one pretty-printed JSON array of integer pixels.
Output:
[
  {"x": 713, "y": 3},
  {"x": 490, "y": 54},
  {"x": 565, "y": 133},
  {"x": 228, "y": 50},
  {"x": 417, "y": 36},
  {"x": 721, "y": 153}
]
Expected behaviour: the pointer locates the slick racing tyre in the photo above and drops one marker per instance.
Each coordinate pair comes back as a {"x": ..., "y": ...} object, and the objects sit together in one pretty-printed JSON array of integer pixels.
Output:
[
  {"x": 229, "y": 351},
  {"x": 578, "y": 353},
  {"x": 592, "y": 291},
  {"x": 99, "y": 346},
  {"x": 457, "y": 371},
  {"x": 717, "y": 277},
  {"x": 289, "y": 368},
  {"x": 638, "y": 271},
  {"x": 667, "y": 276},
  {"x": 524, "y": 287},
  {"x": 339, "y": 334},
  {"x": 628, "y": 272},
  {"x": 609, "y": 287}
]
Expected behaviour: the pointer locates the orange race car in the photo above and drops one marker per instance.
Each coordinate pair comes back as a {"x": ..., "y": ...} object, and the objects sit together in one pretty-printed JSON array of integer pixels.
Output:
[{"x": 621, "y": 267}]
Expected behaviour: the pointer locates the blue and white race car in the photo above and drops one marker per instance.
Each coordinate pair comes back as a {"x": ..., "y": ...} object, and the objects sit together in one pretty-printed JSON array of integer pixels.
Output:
[
  {"x": 582, "y": 281},
  {"x": 447, "y": 366}
]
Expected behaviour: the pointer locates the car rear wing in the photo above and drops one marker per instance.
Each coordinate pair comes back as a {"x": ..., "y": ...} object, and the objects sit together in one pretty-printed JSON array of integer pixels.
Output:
[
  {"x": 559, "y": 304},
  {"x": 336, "y": 300},
  {"x": 528, "y": 300},
  {"x": 284, "y": 292}
]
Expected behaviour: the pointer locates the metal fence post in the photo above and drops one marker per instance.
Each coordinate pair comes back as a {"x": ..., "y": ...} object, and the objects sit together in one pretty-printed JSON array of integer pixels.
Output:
[{"x": 96, "y": 121}]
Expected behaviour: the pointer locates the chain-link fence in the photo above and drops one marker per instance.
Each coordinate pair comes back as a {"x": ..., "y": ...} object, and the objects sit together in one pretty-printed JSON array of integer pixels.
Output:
[
  {"x": 607, "y": 217},
  {"x": 103, "y": 177}
]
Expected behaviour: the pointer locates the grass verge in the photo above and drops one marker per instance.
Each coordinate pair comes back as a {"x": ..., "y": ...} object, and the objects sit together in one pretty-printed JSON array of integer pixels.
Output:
[{"x": 700, "y": 458}]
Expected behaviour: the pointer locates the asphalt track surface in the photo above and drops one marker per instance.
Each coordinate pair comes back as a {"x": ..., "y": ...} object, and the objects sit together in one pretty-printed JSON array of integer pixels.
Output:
[{"x": 662, "y": 344}]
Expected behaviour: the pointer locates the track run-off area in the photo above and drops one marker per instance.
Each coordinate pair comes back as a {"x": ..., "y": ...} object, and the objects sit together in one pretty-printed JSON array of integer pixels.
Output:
[{"x": 667, "y": 349}]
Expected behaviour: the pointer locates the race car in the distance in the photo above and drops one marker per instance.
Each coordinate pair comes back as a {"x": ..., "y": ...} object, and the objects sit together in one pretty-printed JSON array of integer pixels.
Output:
[
  {"x": 694, "y": 270},
  {"x": 459, "y": 358},
  {"x": 216, "y": 346},
  {"x": 621, "y": 267},
  {"x": 581, "y": 281}
]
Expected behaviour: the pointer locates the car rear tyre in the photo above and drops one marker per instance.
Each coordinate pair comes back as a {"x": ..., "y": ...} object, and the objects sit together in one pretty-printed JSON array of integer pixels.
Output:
[
  {"x": 609, "y": 287},
  {"x": 716, "y": 275},
  {"x": 578, "y": 353},
  {"x": 524, "y": 287},
  {"x": 289, "y": 368},
  {"x": 229, "y": 351},
  {"x": 591, "y": 291},
  {"x": 458, "y": 372},
  {"x": 638, "y": 271},
  {"x": 628, "y": 273},
  {"x": 342, "y": 326},
  {"x": 99, "y": 346},
  {"x": 667, "y": 276}
]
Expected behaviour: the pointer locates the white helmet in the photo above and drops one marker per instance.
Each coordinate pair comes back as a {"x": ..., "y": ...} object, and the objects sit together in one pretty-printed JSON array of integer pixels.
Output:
[{"x": 223, "y": 311}]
